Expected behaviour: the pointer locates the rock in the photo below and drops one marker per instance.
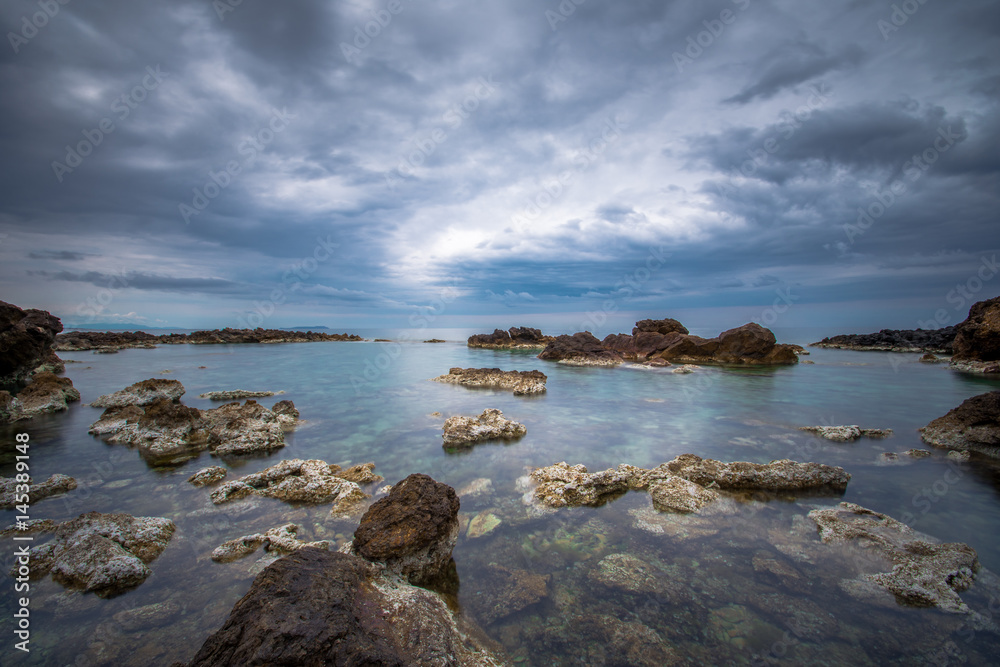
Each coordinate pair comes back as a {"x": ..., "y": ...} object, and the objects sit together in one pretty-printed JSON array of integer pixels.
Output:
[
  {"x": 52, "y": 364},
  {"x": 960, "y": 456},
  {"x": 626, "y": 643},
  {"x": 45, "y": 393},
  {"x": 244, "y": 429},
  {"x": 142, "y": 393},
  {"x": 891, "y": 340},
  {"x": 783, "y": 475},
  {"x": 674, "y": 494},
  {"x": 663, "y": 327},
  {"x": 104, "y": 553},
  {"x": 931, "y": 359},
  {"x": 978, "y": 337},
  {"x": 974, "y": 425},
  {"x": 94, "y": 340},
  {"x": 280, "y": 541},
  {"x": 505, "y": 591},
  {"x": 482, "y": 524},
  {"x": 669, "y": 341},
  {"x": 10, "y": 408},
  {"x": 412, "y": 530},
  {"x": 847, "y": 433},
  {"x": 624, "y": 572},
  {"x": 363, "y": 473},
  {"x": 164, "y": 432},
  {"x": 54, "y": 485},
  {"x": 234, "y": 394},
  {"x": 462, "y": 432},
  {"x": 522, "y": 383},
  {"x": 924, "y": 574},
  {"x": 515, "y": 338},
  {"x": 917, "y": 453},
  {"x": 26, "y": 339},
  {"x": 477, "y": 488},
  {"x": 207, "y": 476},
  {"x": 435, "y": 340},
  {"x": 316, "y": 607},
  {"x": 295, "y": 480},
  {"x": 580, "y": 349},
  {"x": 685, "y": 369},
  {"x": 563, "y": 485}
]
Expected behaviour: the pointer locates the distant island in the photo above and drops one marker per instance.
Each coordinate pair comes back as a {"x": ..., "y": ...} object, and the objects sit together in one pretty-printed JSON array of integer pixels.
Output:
[
  {"x": 938, "y": 341},
  {"x": 112, "y": 341}
]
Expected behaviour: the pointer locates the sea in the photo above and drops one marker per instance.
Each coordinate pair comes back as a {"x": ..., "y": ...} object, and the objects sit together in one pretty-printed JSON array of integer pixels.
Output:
[{"x": 748, "y": 582}]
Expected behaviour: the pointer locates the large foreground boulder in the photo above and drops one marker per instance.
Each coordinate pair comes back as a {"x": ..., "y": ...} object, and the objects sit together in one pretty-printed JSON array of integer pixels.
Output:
[
  {"x": 580, "y": 349},
  {"x": 977, "y": 339},
  {"x": 26, "y": 338},
  {"x": 522, "y": 383},
  {"x": 316, "y": 607},
  {"x": 972, "y": 426}
]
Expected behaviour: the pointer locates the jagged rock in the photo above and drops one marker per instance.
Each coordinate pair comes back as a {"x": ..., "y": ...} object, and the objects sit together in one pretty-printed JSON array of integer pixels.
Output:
[
  {"x": 280, "y": 540},
  {"x": 974, "y": 425},
  {"x": 925, "y": 573},
  {"x": 45, "y": 393},
  {"x": 668, "y": 340},
  {"x": 26, "y": 338},
  {"x": 299, "y": 481},
  {"x": 515, "y": 338},
  {"x": 165, "y": 432},
  {"x": 234, "y": 394},
  {"x": 209, "y": 475},
  {"x": 938, "y": 341},
  {"x": 142, "y": 393},
  {"x": 93, "y": 340},
  {"x": 847, "y": 433},
  {"x": 978, "y": 337},
  {"x": 685, "y": 369},
  {"x": 54, "y": 485},
  {"x": 783, "y": 475},
  {"x": 103, "y": 553},
  {"x": 490, "y": 425},
  {"x": 363, "y": 473},
  {"x": 563, "y": 485},
  {"x": 481, "y": 487},
  {"x": 51, "y": 364},
  {"x": 244, "y": 429},
  {"x": 316, "y": 607},
  {"x": 521, "y": 382},
  {"x": 504, "y": 591},
  {"x": 412, "y": 530},
  {"x": 675, "y": 494},
  {"x": 663, "y": 327},
  {"x": 580, "y": 349}
]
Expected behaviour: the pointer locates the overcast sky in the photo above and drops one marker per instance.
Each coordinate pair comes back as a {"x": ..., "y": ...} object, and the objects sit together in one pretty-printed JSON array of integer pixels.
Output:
[{"x": 191, "y": 163}]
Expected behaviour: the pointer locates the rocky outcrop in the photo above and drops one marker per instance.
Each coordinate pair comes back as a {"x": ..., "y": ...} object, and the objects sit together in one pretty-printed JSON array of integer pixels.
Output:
[
  {"x": 668, "y": 341},
  {"x": 234, "y": 395},
  {"x": 96, "y": 340},
  {"x": 54, "y": 485},
  {"x": 103, "y": 553},
  {"x": 580, "y": 349},
  {"x": 522, "y": 383},
  {"x": 52, "y": 364},
  {"x": 925, "y": 573},
  {"x": 26, "y": 338},
  {"x": 316, "y": 607},
  {"x": 977, "y": 341},
  {"x": 142, "y": 393},
  {"x": 847, "y": 433},
  {"x": 939, "y": 341},
  {"x": 45, "y": 393},
  {"x": 298, "y": 481},
  {"x": 663, "y": 327},
  {"x": 684, "y": 484},
  {"x": 207, "y": 476},
  {"x": 412, "y": 531},
  {"x": 972, "y": 426},
  {"x": 244, "y": 429},
  {"x": 460, "y": 432},
  {"x": 515, "y": 338},
  {"x": 78, "y": 341},
  {"x": 280, "y": 541}
]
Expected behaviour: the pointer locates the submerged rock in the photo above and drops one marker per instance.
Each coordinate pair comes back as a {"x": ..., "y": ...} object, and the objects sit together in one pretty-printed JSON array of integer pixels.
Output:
[
  {"x": 26, "y": 338},
  {"x": 363, "y": 473},
  {"x": 234, "y": 394},
  {"x": 483, "y": 524},
  {"x": 522, "y": 383},
  {"x": 675, "y": 494},
  {"x": 504, "y": 591},
  {"x": 974, "y": 425},
  {"x": 54, "y": 485},
  {"x": 924, "y": 574},
  {"x": 580, "y": 349},
  {"x": 280, "y": 541},
  {"x": 685, "y": 369},
  {"x": 317, "y": 607},
  {"x": 847, "y": 433},
  {"x": 627, "y": 573},
  {"x": 515, "y": 338},
  {"x": 412, "y": 531},
  {"x": 142, "y": 393},
  {"x": 490, "y": 425},
  {"x": 103, "y": 553},
  {"x": 209, "y": 475}
]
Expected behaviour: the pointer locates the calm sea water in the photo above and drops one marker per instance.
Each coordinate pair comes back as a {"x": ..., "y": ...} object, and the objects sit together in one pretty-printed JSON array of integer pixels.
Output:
[{"x": 745, "y": 582}]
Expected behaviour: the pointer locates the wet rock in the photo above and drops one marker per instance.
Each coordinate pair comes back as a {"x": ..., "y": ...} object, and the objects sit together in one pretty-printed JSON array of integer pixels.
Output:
[
  {"x": 960, "y": 456},
  {"x": 477, "y": 488},
  {"x": 148, "y": 616},
  {"x": 628, "y": 643},
  {"x": 505, "y": 591},
  {"x": 563, "y": 485},
  {"x": 243, "y": 429},
  {"x": 92, "y": 340},
  {"x": 662, "y": 327},
  {"x": 580, "y": 349},
  {"x": 674, "y": 494},
  {"x": 677, "y": 527},
  {"x": 931, "y": 359},
  {"x": 279, "y": 541},
  {"x": 316, "y": 607},
  {"x": 52, "y": 364},
  {"x": 363, "y": 473},
  {"x": 893, "y": 340},
  {"x": 286, "y": 412},
  {"x": 207, "y": 476},
  {"x": 234, "y": 394},
  {"x": 45, "y": 393},
  {"x": 627, "y": 573},
  {"x": 685, "y": 369},
  {"x": 164, "y": 432},
  {"x": 783, "y": 475},
  {"x": 103, "y": 553},
  {"x": 482, "y": 524},
  {"x": 917, "y": 453},
  {"x": 142, "y": 393},
  {"x": 490, "y": 425},
  {"x": 847, "y": 433},
  {"x": 412, "y": 530},
  {"x": 515, "y": 338},
  {"x": 974, "y": 425},
  {"x": 978, "y": 337},
  {"x": 26, "y": 339},
  {"x": 298, "y": 481},
  {"x": 54, "y": 485},
  {"x": 522, "y": 383},
  {"x": 925, "y": 573}
]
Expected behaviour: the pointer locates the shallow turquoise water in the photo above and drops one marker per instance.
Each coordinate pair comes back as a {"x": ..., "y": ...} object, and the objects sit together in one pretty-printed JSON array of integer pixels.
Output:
[{"x": 373, "y": 402}]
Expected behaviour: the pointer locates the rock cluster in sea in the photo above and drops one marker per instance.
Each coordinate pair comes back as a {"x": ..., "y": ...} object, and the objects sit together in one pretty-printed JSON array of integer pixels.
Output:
[
  {"x": 75, "y": 341},
  {"x": 461, "y": 432},
  {"x": 514, "y": 338},
  {"x": 53, "y": 486},
  {"x": 938, "y": 341},
  {"x": 522, "y": 383},
  {"x": 847, "y": 433},
  {"x": 972, "y": 426}
]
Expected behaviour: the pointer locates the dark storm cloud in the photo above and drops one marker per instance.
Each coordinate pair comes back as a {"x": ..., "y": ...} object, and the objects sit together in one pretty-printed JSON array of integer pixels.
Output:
[{"x": 529, "y": 162}]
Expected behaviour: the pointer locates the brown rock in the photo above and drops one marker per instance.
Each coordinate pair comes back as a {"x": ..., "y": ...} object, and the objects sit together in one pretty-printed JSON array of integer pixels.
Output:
[
  {"x": 506, "y": 591},
  {"x": 664, "y": 326},
  {"x": 580, "y": 349},
  {"x": 978, "y": 337},
  {"x": 974, "y": 425},
  {"x": 522, "y": 383},
  {"x": 26, "y": 338}
]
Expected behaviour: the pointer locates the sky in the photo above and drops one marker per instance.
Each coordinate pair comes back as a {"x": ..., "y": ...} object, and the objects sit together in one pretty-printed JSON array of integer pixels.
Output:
[{"x": 569, "y": 165}]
